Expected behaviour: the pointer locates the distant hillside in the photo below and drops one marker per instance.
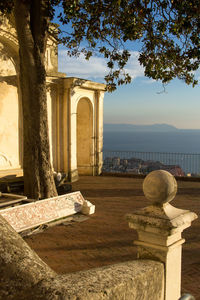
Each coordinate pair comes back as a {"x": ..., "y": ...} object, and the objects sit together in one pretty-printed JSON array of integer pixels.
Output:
[{"x": 144, "y": 128}]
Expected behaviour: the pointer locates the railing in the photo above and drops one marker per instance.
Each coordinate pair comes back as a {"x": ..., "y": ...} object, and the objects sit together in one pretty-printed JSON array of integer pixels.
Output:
[{"x": 179, "y": 164}]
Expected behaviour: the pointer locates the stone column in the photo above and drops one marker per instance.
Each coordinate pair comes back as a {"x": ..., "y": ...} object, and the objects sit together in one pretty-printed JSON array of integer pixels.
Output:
[
  {"x": 98, "y": 132},
  {"x": 72, "y": 114},
  {"x": 159, "y": 227}
]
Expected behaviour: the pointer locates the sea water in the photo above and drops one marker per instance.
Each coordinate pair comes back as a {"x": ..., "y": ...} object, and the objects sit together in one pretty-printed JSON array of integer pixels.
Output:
[{"x": 179, "y": 142}]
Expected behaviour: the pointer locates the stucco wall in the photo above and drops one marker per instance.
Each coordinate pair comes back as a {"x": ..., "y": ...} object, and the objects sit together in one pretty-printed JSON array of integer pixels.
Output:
[
  {"x": 9, "y": 129},
  {"x": 7, "y": 67},
  {"x": 63, "y": 95},
  {"x": 83, "y": 89},
  {"x": 9, "y": 113},
  {"x": 84, "y": 136}
]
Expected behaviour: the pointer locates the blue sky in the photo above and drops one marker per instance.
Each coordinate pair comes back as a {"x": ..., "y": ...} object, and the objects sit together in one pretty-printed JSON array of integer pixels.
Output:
[{"x": 142, "y": 101}]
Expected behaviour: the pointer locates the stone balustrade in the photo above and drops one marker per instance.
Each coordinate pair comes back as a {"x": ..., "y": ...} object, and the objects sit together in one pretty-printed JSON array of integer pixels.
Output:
[
  {"x": 155, "y": 275},
  {"x": 159, "y": 227}
]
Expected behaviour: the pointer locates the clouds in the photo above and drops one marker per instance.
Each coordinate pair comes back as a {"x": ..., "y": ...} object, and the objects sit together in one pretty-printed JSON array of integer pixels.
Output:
[
  {"x": 96, "y": 68},
  {"x": 133, "y": 67},
  {"x": 80, "y": 67},
  {"x": 197, "y": 74}
]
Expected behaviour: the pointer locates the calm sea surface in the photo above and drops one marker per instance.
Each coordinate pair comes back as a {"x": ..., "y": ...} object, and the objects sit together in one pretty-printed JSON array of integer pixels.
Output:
[
  {"x": 181, "y": 141},
  {"x": 168, "y": 142}
]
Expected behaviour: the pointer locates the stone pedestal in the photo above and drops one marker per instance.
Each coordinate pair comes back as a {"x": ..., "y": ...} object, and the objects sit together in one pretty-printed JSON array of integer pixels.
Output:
[{"x": 159, "y": 227}]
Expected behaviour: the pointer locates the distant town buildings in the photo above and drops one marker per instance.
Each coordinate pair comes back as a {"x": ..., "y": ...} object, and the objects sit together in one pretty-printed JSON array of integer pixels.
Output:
[{"x": 138, "y": 166}]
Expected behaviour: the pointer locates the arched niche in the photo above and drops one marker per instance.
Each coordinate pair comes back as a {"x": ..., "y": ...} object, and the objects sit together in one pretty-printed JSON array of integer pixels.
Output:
[{"x": 85, "y": 147}]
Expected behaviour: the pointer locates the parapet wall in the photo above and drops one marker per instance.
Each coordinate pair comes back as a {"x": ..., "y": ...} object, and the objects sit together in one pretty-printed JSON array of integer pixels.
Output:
[
  {"x": 25, "y": 276},
  {"x": 139, "y": 279}
]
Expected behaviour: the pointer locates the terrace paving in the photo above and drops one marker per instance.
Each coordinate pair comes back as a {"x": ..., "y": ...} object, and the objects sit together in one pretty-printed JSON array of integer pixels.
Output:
[{"x": 105, "y": 237}]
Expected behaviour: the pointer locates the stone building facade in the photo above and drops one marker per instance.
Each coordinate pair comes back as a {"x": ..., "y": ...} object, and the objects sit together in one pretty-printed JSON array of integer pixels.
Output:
[{"x": 75, "y": 114}]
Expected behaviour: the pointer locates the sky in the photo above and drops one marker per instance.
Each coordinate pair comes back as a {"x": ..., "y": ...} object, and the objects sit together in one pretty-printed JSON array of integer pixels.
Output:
[{"x": 143, "y": 101}]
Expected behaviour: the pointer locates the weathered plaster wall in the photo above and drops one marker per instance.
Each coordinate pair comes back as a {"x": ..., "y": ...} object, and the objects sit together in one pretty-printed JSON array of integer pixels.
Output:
[
  {"x": 99, "y": 130},
  {"x": 58, "y": 121},
  {"x": 7, "y": 67},
  {"x": 9, "y": 129},
  {"x": 50, "y": 99},
  {"x": 75, "y": 129},
  {"x": 9, "y": 111},
  {"x": 78, "y": 89},
  {"x": 52, "y": 53},
  {"x": 85, "y": 137}
]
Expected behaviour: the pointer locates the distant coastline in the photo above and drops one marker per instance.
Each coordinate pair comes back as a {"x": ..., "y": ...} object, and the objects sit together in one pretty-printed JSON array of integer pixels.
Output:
[{"x": 144, "y": 128}]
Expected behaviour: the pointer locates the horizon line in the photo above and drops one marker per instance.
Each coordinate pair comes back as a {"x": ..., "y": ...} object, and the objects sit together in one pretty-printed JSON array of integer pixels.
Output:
[{"x": 178, "y": 128}]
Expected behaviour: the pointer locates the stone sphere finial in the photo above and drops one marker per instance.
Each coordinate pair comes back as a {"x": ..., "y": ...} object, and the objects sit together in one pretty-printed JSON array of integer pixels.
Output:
[{"x": 160, "y": 187}]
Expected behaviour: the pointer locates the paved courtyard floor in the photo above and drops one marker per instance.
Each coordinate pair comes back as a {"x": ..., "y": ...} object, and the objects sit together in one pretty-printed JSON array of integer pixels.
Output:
[{"x": 105, "y": 237}]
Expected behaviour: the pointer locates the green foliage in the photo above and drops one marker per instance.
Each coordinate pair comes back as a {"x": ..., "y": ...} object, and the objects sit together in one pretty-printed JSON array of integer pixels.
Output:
[
  {"x": 168, "y": 31},
  {"x": 171, "y": 41},
  {"x": 6, "y": 6}
]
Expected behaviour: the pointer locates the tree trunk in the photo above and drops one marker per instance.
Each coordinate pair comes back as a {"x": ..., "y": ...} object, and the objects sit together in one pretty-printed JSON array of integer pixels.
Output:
[{"x": 32, "y": 28}]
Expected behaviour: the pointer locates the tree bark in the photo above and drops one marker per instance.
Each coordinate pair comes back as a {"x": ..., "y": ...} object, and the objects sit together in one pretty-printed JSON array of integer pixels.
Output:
[{"x": 32, "y": 24}]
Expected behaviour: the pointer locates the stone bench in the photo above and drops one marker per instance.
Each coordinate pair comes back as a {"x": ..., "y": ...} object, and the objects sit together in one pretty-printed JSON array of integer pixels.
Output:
[{"x": 31, "y": 215}]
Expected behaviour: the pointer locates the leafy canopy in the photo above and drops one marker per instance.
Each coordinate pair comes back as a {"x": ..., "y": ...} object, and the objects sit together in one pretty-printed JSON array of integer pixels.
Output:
[{"x": 167, "y": 30}]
